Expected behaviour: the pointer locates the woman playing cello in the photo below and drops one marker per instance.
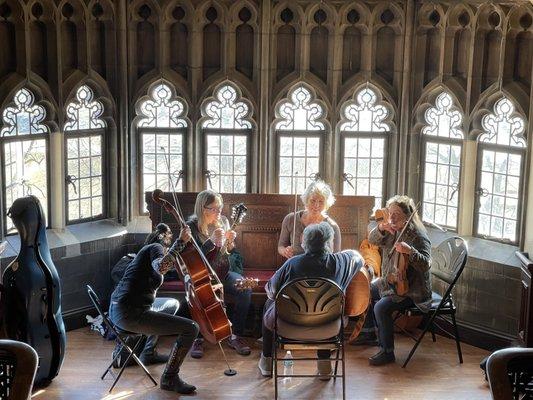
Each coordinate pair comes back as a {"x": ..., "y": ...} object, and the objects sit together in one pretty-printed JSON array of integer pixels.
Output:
[
  {"x": 211, "y": 231},
  {"x": 390, "y": 292}
]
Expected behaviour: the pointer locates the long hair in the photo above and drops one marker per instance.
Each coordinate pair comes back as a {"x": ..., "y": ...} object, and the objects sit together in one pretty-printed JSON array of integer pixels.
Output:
[
  {"x": 160, "y": 235},
  {"x": 202, "y": 200},
  {"x": 408, "y": 207}
]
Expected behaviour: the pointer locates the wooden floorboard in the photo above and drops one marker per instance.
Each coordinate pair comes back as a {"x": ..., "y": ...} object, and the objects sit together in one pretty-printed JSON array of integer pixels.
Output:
[{"x": 433, "y": 373}]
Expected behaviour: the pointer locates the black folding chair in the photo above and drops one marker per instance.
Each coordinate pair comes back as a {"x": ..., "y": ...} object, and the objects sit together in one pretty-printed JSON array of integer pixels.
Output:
[
  {"x": 448, "y": 262},
  {"x": 18, "y": 366},
  {"x": 121, "y": 337},
  {"x": 309, "y": 316}
]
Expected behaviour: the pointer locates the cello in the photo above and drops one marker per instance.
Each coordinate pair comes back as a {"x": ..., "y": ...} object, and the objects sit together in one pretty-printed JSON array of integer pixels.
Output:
[
  {"x": 201, "y": 285},
  {"x": 33, "y": 293}
]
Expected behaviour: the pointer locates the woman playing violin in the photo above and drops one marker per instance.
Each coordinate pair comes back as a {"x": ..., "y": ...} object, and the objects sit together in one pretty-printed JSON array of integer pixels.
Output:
[
  {"x": 414, "y": 249},
  {"x": 317, "y": 199},
  {"x": 211, "y": 231}
]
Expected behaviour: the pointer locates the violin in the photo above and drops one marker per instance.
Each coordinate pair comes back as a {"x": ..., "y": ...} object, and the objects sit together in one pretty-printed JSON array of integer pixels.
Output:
[
  {"x": 201, "y": 284},
  {"x": 399, "y": 279}
]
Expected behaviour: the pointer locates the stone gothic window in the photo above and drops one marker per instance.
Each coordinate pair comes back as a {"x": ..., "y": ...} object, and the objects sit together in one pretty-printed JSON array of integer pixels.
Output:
[
  {"x": 162, "y": 129},
  {"x": 84, "y": 134},
  {"x": 24, "y": 143},
  {"x": 300, "y": 132},
  {"x": 442, "y": 144},
  {"x": 501, "y": 155},
  {"x": 227, "y": 128},
  {"x": 364, "y": 133}
]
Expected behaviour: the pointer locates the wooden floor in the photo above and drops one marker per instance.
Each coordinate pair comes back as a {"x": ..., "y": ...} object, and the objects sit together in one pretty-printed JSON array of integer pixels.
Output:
[{"x": 433, "y": 373}]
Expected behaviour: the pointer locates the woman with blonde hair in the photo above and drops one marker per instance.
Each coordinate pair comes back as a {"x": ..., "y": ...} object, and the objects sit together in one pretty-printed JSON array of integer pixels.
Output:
[
  {"x": 211, "y": 230},
  {"x": 317, "y": 199}
]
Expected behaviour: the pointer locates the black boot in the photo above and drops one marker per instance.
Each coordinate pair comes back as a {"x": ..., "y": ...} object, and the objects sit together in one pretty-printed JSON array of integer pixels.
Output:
[{"x": 170, "y": 380}]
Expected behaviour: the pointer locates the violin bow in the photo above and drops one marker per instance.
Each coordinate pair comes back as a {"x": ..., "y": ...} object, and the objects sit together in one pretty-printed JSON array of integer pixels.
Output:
[
  {"x": 403, "y": 230},
  {"x": 293, "y": 242}
]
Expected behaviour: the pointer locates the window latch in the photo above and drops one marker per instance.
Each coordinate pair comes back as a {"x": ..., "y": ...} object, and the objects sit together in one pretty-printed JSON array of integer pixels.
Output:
[
  {"x": 210, "y": 174},
  {"x": 482, "y": 192},
  {"x": 455, "y": 188},
  {"x": 348, "y": 178},
  {"x": 70, "y": 181}
]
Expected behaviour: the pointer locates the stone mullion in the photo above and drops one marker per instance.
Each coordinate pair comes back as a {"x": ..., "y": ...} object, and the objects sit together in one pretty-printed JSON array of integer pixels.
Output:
[
  {"x": 527, "y": 212},
  {"x": 332, "y": 170},
  {"x": 406, "y": 144},
  {"x": 262, "y": 183},
  {"x": 194, "y": 142}
]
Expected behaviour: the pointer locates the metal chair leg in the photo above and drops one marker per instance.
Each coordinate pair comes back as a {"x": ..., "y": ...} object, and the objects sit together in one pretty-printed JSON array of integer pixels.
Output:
[
  {"x": 343, "y": 372},
  {"x": 457, "y": 340}
]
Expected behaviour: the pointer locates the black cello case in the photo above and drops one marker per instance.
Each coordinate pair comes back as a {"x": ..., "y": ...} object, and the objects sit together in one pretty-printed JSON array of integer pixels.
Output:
[{"x": 32, "y": 293}]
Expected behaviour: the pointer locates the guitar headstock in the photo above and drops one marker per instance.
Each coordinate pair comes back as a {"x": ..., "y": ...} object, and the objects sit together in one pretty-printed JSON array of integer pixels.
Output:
[
  {"x": 246, "y": 283},
  {"x": 238, "y": 212}
]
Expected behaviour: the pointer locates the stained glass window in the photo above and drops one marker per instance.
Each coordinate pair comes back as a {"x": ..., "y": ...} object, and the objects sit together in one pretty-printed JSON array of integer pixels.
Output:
[
  {"x": 442, "y": 164},
  {"x": 162, "y": 127},
  {"x": 364, "y": 129},
  {"x": 227, "y": 128},
  {"x": 499, "y": 190},
  {"x": 84, "y": 137},
  {"x": 300, "y": 130},
  {"x": 25, "y": 160}
]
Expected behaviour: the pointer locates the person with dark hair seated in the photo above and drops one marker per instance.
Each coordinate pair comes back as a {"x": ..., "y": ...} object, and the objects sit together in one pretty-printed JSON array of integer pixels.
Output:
[
  {"x": 317, "y": 262},
  {"x": 135, "y": 308}
]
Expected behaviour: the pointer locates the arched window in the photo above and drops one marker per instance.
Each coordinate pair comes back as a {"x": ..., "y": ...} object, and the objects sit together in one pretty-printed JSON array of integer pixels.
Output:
[
  {"x": 365, "y": 131},
  {"x": 227, "y": 130},
  {"x": 84, "y": 134},
  {"x": 162, "y": 129},
  {"x": 25, "y": 152},
  {"x": 442, "y": 139},
  {"x": 300, "y": 134},
  {"x": 501, "y": 154}
]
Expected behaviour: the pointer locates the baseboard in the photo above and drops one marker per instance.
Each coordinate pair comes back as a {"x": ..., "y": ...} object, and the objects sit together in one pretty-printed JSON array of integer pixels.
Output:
[
  {"x": 478, "y": 336},
  {"x": 75, "y": 319}
]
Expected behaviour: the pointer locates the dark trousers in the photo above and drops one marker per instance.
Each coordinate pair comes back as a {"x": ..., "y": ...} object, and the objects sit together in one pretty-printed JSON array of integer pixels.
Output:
[
  {"x": 241, "y": 300},
  {"x": 268, "y": 338},
  {"x": 380, "y": 314},
  {"x": 159, "y": 320}
]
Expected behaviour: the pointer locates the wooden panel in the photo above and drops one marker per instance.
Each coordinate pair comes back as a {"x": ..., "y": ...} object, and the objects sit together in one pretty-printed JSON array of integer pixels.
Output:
[{"x": 257, "y": 236}]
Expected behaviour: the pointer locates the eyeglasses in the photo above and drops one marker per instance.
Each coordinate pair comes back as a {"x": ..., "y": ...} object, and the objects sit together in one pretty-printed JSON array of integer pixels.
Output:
[{"x": 214, "y": 209}]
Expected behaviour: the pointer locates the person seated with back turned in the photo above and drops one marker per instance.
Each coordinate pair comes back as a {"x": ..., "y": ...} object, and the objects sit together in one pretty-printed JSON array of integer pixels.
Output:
[
  {"x": 317, "y": 262},
  {"x": 317, "y": 199},
  {"x": 134, "y": 307}
]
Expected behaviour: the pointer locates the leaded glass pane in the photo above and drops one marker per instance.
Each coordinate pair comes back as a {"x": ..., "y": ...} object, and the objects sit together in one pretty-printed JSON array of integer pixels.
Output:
[
  {"x": 162, "y": 112},
  {"x": 498, "y": 201},
  {"x": 442, "y": 164},
  {"x": 84, "y": 168},
  {"x": 24, "y": 118},
  {"x": 226, "y": 160},
  {"x": 364, "y": 114},
  {"x": 296, "y": 165},
  {"x": 25, "y": 166},
  {"x": 225, "y": 112},
  {"x": 441, "y": 180},
  {"x": 362, "y": 160},
  {"x": 503, "y": 127},
  {"x": 300, "y": 113},
  {"x": 84, "y": 113},
  {"x": 159, "y": 150}
]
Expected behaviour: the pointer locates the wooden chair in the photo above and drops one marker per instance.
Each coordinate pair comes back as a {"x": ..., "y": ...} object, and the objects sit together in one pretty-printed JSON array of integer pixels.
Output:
[
  {"x": 510, "y": 373},
  {"x": 18, "y": 366},
  {"x": 309, "y": 316}
]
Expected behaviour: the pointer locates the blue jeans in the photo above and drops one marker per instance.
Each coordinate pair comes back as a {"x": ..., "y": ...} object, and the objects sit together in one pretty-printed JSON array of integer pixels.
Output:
[
  {"x": 241, "y": 301},
  {"x": 158, "y": 320},
  {"x": 379, "y": 315}
]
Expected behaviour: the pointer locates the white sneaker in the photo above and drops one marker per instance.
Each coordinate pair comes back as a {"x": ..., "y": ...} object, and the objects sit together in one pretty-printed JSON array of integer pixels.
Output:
[
  {"x": 324, "y": 370},
  {"x": 265, "y": 365}
]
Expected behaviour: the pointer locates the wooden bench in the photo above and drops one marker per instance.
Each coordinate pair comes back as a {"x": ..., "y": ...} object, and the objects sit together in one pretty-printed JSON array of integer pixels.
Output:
[{"x": 257, "y": 235}]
